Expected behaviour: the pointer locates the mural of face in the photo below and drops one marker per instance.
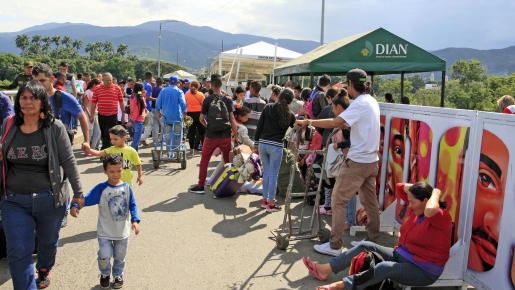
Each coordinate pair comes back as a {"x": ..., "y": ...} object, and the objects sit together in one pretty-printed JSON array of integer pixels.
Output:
[
  {"x": 395, "y": 158},
  {"x": 421, "y": 138},
  {"x": 491, "y": 182},
  {"x": 451, "y": 158}
]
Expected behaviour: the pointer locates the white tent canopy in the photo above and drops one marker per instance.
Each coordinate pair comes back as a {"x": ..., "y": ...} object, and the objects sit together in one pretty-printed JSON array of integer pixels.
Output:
[
  {"x": 180, "y": 74},
  {"x": 262, "y": 50}
]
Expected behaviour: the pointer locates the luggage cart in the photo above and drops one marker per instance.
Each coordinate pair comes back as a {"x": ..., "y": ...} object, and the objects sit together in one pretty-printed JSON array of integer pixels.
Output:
[
  {"x": 164, "y": 152},
  {"x": 288, "y": 231}
]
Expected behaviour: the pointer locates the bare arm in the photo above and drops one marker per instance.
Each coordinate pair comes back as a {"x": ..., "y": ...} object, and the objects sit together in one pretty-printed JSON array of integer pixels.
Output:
[
  {"x": 97, "y": 153},
  {"x": 433, "y": 204},
  {"x": 92, "y": 112},
  {"x": 84, "y": 126},
  {"x": 85, "y": 105},
  {"x": 139, "y": 168},
  {"x": 324, "y": 123},
  {"x": 202, "y": 120},
  {"x": 122, "y": 108}
]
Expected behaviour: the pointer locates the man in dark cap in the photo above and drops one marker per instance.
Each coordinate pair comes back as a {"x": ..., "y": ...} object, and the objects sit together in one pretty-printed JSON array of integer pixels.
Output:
[
  {"x": 359, "y": 171},
  {"x": 21, "y": 78}
]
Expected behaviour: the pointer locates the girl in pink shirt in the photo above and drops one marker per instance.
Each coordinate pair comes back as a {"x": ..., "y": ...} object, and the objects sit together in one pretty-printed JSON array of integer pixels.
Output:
[{"x": 138, "y": 111}]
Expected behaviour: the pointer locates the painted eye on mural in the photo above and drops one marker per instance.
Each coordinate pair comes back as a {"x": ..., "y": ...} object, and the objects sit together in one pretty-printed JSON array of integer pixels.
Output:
[
  {"x": 487, "y": 181},
  {"x": 397, "y": 150}
]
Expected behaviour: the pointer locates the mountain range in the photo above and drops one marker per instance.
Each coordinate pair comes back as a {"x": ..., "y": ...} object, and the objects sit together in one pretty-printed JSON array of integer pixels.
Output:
[{"x": 195, "y": 46}]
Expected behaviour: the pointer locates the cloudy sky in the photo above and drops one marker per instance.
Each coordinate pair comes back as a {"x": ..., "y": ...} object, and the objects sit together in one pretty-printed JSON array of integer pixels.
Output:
[{"x": 432, "y": 24}]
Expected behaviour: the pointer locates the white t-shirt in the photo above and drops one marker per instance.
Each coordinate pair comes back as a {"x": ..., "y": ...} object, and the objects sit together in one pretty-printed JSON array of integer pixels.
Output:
[{"x": 363, "y": 117}]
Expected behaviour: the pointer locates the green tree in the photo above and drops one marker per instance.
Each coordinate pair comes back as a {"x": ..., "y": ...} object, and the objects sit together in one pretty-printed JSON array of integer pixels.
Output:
[
  {"x": 67, "y": 42},
  {"x": 467, "y": 71},
  {"x": 47, "y": 45},
  {"x": 56, "y": 39},
  {"x": 122, "y": 49},
  {"x": 22, "y": 42},
  {"x": 35, "y": 45},
  {"x": 418, "y": 82}
]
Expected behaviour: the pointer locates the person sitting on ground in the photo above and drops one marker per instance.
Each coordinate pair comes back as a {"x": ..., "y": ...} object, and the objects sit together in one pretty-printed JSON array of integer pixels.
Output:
[
  {"x": 242, "y": 116},
  {"x": 506, "y": 104},
  {"x": 116, "y": 201},
  {"x": 272, "y": 126},
  {"x": 118, "y": 135},
  {"x": 416, "y": 260}
]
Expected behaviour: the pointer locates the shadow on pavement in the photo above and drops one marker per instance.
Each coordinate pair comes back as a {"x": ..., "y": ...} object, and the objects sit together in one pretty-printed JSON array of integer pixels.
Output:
[
  {"x": 182, "y": 201},
  {"x": 78, "y": 238}
]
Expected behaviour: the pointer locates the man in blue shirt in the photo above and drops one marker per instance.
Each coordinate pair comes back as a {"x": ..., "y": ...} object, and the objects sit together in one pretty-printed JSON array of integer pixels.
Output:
[
  {"x": 6, "y": 106},
  {"x": 171, "y": 106},
  {"x": 64, "y": 105}
]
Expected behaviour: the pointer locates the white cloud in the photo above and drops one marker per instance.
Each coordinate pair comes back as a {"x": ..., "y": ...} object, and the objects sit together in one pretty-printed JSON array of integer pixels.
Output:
[{"x": 430, "y": 24}]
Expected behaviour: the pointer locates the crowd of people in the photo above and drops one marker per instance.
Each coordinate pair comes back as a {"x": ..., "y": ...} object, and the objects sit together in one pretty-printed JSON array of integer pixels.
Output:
[{"x": 40, "y": 124}]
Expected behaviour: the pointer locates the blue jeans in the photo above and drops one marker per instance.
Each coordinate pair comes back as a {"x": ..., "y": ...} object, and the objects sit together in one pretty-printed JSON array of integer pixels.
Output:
[
  {"x": 172, "y": 135},
  {"x": 351, "y": 211},
  {"x": 25, "y": 217},
  {"x": 394, "y": 267},
  {"x": 138, "y": 131},
  {"x": 271, "y": 157},
  {"x": 116, "y": 249}
]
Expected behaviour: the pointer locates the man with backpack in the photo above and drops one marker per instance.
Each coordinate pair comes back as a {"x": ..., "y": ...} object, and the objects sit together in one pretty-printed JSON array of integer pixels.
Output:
[
  {"x": 171, "y": 107},
  {"x": 218, "y": 118},
  {"x": 318, "y": 97}
]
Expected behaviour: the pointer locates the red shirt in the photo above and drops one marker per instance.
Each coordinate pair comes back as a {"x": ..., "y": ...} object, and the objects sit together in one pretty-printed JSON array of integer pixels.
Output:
[
  {"x": 428, "y": 239},
  {"x": 509, "y": 110},
  {"x": 107, "y": 99}
]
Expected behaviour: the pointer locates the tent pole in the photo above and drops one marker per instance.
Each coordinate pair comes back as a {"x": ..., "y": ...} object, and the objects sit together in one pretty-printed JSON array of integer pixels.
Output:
[
  {"x": 311, "y": 80},
  {"x": 402, "y": 84},
  {"x": 372, "y": 83},
  {"x": 442, "y": 97}
]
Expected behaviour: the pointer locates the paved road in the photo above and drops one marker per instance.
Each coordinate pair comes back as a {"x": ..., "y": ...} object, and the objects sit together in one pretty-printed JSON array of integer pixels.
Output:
[{"x": 187, "y": 241}]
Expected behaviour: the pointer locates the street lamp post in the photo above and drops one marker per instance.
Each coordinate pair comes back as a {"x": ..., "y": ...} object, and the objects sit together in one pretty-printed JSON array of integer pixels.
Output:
[
  {"x": 159, "y": 45},
  {"x": 322, "y": 23}
]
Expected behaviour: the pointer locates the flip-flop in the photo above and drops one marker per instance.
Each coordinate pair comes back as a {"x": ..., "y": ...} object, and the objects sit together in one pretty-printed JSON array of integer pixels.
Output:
[
  {"x": 325, "y": 287},
  {"x": 312, "y": 268}
]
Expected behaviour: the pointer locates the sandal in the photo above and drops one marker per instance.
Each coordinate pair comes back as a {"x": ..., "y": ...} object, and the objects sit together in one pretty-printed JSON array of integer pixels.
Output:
[
  {"x": 312, "y": 268},
  {"x": 325, "y": 287}
]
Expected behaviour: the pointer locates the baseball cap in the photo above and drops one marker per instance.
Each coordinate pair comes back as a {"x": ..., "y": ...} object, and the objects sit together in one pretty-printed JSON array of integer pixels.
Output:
[
  {"x": 174, "y": 80},
  {"x": 27, "y": 63},
  {"x": 185, "y": 81},
  {"x": 357, "y": 75}
]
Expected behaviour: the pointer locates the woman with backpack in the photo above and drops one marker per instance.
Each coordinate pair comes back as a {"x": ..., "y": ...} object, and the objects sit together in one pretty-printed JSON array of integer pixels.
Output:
[
  {"x": 138, "y": 111},
  {"x": 416, "y": 260},
  {"x": 273, "y": 123}
]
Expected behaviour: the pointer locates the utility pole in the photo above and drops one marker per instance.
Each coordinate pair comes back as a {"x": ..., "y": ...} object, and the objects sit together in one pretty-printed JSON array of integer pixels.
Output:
[
  {"x": 322, "y": 23},
  {"x": 159, "y": 45}
]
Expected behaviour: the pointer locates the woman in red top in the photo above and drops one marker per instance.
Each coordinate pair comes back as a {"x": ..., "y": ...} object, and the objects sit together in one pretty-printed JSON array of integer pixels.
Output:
[
  {"x": 194, "y": 99},
  {"x": 419, "y": 257}
]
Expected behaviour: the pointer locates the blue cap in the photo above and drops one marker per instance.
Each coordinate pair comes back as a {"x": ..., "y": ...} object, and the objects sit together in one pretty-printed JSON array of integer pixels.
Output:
[
  {"x": 186, "y": 80},
  {"x": 174, "y": 80}
]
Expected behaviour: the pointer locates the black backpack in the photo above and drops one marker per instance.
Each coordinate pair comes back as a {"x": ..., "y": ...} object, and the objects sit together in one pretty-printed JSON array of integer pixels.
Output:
[
  {"x": 218, "y": 116},
  {"x": 362, "y": 266}
]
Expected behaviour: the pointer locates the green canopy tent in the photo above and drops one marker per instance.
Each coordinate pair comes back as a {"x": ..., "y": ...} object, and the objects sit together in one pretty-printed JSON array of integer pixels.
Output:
[{"x": 378, "y": 52}]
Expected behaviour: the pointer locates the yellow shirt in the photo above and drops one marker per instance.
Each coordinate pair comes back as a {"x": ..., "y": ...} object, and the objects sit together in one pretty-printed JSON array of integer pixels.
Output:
[{"x": 130, "y": 157}]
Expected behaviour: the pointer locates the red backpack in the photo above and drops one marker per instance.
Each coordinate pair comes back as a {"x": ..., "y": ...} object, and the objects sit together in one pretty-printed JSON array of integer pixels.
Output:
[{"x": 360, "y": 266}]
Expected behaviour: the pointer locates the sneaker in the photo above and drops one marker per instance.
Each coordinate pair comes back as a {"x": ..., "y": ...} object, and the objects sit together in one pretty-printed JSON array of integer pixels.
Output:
[
  {"x": 264, "y": 203},
  {"x": 43, "y": 280},
  {"x": 197, "y": 189},
  {"x": 323, "y": 211},
  {"x": 104, "y": 281},
  {"x": 117, "y": 282},
  {"x": 272, "y": 207},
  {"x": 327, "y": 250}
]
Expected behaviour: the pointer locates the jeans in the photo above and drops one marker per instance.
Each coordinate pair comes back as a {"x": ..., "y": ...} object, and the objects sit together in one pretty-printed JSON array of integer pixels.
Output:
[
  {"x": 25, "y": 217},
  {"x": 351, "y": 211},
  {"x": 172, "y": 135},
  {"x": 154, "y": 123},
  {"x": 209, "y": 145},
  {"x": 94, "y": 133},
  {"x": 138, "y": 131},
  {"x": 196, "y": 131},
  {"x": 106, "y": 123},
  {"x": 395, "y": 268},
  {"x": 271, "y": 157},
  {"x": 116, "y": 249}
]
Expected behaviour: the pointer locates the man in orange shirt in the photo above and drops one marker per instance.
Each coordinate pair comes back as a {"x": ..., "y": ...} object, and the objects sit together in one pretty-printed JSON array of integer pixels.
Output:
[{"x": 194, "y": 100}]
